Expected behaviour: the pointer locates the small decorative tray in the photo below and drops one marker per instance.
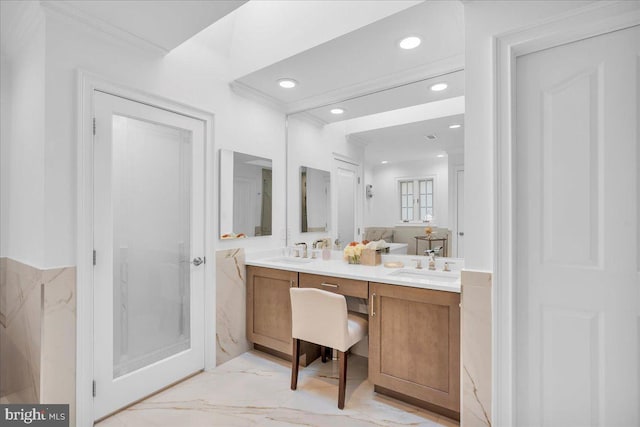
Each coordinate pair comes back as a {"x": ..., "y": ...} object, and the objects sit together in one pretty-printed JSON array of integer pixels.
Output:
[{"x": 394, "y": 264}]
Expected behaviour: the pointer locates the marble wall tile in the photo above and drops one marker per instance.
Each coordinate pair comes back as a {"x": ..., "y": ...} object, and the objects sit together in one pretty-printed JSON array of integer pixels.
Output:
[
  {"x": 476, "y": 349},
  {"x": 57, "y": 378},
  {"x": 21, "y": 333},
  {"x": 37, "y": 334},
  {"x": 231, "y": 292}
]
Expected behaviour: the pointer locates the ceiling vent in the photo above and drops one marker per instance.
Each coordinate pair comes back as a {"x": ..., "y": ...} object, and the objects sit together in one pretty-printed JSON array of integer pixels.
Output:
[{"x": 431, "y": 137}]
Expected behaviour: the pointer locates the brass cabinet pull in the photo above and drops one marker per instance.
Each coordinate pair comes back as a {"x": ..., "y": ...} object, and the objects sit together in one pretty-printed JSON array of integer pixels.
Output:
[
  {"x": 329, "y": 285},
  {"x": 373, "y": 299}
]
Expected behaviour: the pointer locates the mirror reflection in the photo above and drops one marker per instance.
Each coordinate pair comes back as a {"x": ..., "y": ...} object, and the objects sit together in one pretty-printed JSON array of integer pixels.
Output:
[
  {"x": 407, "y": 148},
  {"x": 245, "y": 195},
  {"x": 315, "y": 206}
]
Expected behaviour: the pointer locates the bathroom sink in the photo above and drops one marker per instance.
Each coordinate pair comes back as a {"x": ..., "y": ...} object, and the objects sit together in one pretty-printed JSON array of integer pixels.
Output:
[
  {"x": 290, "y": 260},
  {"x": 422, "y": 274}
]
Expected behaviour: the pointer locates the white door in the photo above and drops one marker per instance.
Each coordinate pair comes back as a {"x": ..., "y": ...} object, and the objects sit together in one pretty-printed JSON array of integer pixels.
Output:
[
  {"x": 577, "y": 266},
  {"x": 460, "y": 213},
  {"x": 347, "y": 197},
  {"x": 148, "y": 227}
]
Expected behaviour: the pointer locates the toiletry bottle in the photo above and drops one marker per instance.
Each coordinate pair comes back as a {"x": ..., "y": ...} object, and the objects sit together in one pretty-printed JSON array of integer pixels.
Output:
[
  {"x": 432, "y": 261},
  {"x": 326, "y": 252}
]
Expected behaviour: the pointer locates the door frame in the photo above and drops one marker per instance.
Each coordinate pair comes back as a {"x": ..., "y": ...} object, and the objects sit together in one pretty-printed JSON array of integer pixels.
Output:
[
  {"x": 86, "y": 84},
  {"x": 453, "y": 215},
  {"x": 592, "y": 20}
]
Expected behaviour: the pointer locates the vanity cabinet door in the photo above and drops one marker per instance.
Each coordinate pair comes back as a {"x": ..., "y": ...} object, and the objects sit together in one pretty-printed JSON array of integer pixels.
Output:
[
  {"x": 269, "y": 307},
  {"x": 414, "y": 345}
]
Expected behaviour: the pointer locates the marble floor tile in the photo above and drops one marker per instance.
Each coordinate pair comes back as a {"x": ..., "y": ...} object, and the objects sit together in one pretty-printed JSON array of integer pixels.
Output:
[{"x": 253, "y": 390}]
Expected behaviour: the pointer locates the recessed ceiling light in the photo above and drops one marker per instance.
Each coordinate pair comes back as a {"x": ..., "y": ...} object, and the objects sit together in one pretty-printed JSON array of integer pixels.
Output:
[
  {"x": 384, "y": 162},
  {"x": 454, "y": 126},
  {"x": 410, "y": 42},
  {"x": 287, "y": 83},
  {"x": 440, "y": 155},
  {"x": 337, "y": 111},
  {"x": 439, "y": 87}
]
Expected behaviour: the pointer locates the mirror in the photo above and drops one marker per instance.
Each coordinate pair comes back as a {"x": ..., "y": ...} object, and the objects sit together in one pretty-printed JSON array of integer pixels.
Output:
[
  {"x": 409, "y": 143},
  {"x": 245, "y": 195},
  {"x": 315, "y": 200}
]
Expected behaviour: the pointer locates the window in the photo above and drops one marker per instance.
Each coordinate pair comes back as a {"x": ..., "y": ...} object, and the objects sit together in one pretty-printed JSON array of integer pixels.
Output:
[{"x": 416, "y": 199}]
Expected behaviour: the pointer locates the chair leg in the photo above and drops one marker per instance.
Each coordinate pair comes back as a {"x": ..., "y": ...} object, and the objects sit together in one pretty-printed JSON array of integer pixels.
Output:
[
  {"x": 328, "y": 353},
  {"x": 295, "y": 363},
  {"x": 323, "y": 353},
  {"x": 342, "y": 361}
]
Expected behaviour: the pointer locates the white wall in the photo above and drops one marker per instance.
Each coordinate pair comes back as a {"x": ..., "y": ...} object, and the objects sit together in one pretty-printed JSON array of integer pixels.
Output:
[
  {"x": 23, "y": 154},
  {"x": 382, "y": 210},
  {"x": 313, "y": 145},
  {"x": 190, "y": 74},
  {"x": 483, "y": 21}
]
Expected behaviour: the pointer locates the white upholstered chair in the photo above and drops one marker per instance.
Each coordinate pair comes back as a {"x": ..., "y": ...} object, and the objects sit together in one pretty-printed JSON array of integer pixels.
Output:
[{"x": 321, "y": 317}]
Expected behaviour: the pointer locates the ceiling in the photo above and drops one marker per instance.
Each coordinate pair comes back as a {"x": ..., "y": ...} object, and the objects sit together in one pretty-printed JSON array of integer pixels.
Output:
[
  {"x": 408, "y": 142},
  {"x": 403, "y": 96},
  {"x": 369, "y": 62},
  {"x": 367, "y": 59}
]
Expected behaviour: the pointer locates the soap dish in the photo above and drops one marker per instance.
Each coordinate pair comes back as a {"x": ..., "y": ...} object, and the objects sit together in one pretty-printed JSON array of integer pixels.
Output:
[{"x": 394, "y": 264}]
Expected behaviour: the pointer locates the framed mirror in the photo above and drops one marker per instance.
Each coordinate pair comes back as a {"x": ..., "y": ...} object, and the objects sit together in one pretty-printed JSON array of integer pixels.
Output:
[
  {"x": 315, "y": 200},
  {"x": 245, "y": 195}
]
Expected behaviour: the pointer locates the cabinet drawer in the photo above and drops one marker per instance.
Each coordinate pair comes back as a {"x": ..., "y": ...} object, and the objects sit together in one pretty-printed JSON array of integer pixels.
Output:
[{"x": 338, "y": 285}]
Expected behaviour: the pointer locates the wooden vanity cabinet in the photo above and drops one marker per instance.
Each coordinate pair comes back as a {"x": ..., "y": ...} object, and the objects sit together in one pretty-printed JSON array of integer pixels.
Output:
[
  {"x": 414, "y": 346},
  {"x": 269, "y": 313},
  {"x": 269, "y": 307}
]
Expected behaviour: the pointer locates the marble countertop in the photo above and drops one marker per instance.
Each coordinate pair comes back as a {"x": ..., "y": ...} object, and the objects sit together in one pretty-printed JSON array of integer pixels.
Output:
[{"x": 337, "y": 267}]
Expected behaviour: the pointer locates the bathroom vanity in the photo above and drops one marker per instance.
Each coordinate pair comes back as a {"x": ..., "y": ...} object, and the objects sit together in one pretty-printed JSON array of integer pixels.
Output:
[{"x": 414, "y": 322}]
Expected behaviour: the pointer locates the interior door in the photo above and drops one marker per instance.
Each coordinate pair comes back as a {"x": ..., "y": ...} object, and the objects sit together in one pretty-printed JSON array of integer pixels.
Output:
[
  {"x": 347, "y": 190},
  {"x": 460, "y": 213},
  {"x": 577, "y": 283},
  {"x": 149, "y": 247}
]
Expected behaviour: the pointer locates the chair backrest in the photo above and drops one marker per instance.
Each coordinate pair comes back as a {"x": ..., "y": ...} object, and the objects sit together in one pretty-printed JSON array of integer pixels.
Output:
[{"x": 319, "y": 317}]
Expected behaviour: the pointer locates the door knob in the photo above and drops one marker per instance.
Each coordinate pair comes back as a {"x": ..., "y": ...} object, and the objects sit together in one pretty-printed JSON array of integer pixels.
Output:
[
  {"x": 197, "y": 261},
  {"x": 461, "y": 233}
]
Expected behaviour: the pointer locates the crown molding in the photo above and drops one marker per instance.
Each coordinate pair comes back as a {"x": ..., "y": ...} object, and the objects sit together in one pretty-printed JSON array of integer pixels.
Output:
[
  {"x": 423, "y": 72},
  {"x": 253, "y": 94},
  {"x": 305, "y": 116},
  {"x": 20, "y": 30},
  {"x": 66, "y": 9}
]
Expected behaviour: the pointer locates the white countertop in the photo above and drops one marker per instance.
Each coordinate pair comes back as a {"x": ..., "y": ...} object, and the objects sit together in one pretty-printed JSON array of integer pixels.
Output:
[{"x": 337, "y": 267}]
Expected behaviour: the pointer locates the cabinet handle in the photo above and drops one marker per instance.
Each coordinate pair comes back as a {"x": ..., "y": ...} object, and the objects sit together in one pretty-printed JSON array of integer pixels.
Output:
[
  {"x": 373, "y": 300},
  {"x": 329, "y": 285}
]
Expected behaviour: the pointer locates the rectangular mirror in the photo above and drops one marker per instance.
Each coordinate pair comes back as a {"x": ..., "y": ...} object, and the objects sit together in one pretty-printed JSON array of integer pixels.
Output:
[
  {"x": 245, "y": 195},
  {"x": 315, "y": 199}
]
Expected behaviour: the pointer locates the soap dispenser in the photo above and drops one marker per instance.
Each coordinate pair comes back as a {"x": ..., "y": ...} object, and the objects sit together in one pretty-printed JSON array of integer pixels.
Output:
[{"x": 432, "y": 261}]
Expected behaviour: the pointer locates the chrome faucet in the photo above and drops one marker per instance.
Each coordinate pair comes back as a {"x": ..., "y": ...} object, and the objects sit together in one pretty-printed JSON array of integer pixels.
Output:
[
  {"x": 318, "y": 242},
  {"x": 304, "y": 246},
  {"x": 435, "y": 251}
]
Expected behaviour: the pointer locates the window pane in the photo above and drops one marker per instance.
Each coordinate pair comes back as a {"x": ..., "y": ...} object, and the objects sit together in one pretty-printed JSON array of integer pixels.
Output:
[
  {"x": 429, "y": 201},
  {"x": 430, "y": 186}
]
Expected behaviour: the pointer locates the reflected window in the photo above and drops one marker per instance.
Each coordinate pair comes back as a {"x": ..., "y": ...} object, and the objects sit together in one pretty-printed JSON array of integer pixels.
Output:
[{"x": 416, "y": 199}]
